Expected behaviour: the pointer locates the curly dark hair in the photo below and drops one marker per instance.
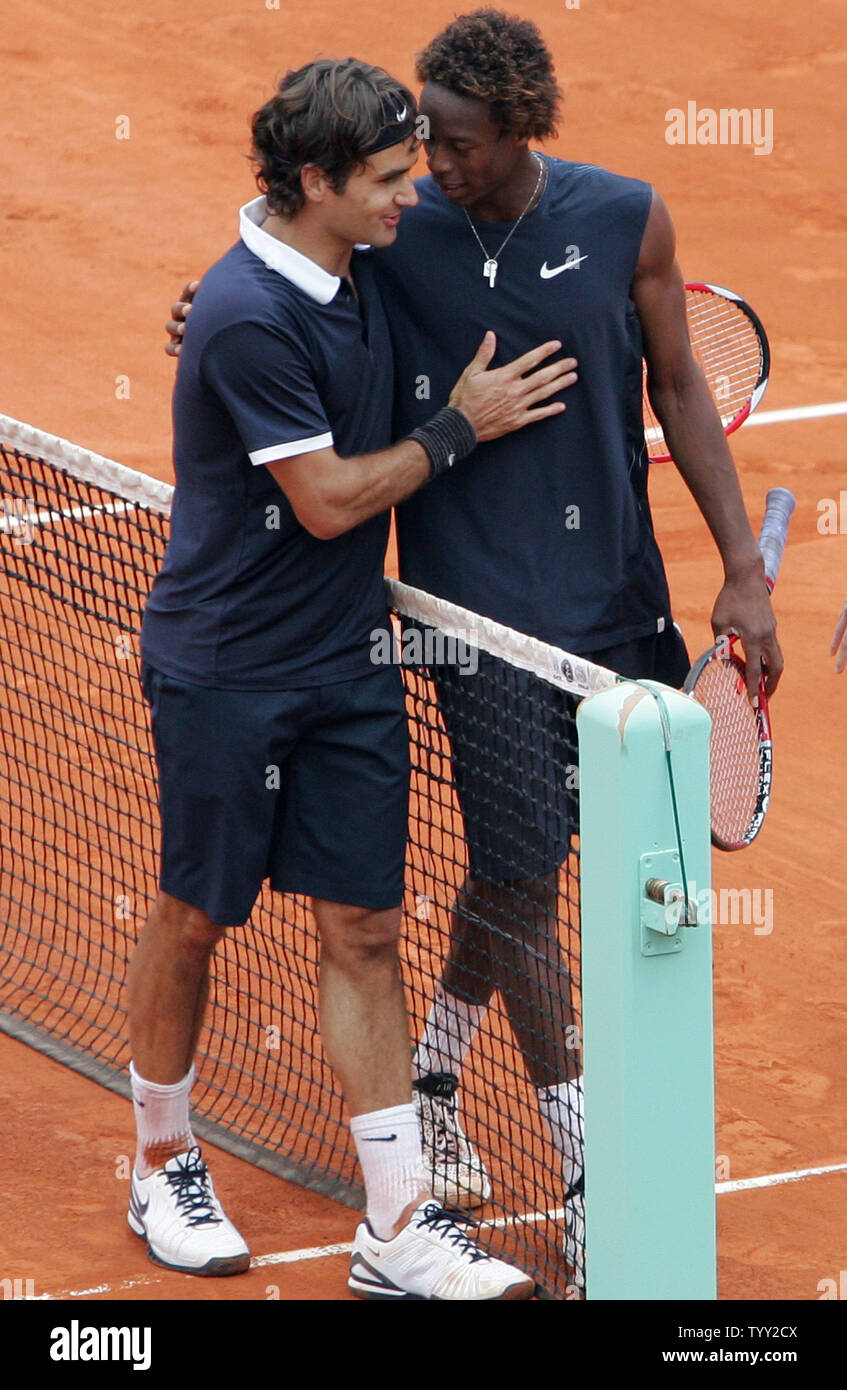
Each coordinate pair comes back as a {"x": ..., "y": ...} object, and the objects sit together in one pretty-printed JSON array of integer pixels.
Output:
[
  {"x": 326, "y": 113},
  {"x": 503, "y": 60}
]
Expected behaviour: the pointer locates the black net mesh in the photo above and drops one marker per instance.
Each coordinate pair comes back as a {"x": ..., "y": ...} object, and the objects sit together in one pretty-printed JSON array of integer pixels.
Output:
[{"x": 492, "y": 894}]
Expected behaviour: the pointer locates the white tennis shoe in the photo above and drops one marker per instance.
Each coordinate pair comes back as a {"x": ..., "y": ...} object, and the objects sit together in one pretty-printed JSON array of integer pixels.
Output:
[
  {"x": 178, "y": 1213},
  {"x": 432, "y": 1258},
  {"x": 457, "y": 1173}
]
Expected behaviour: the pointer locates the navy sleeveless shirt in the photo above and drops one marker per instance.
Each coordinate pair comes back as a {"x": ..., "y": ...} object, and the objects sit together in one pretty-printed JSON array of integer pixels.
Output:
[{"x": 547, "y": 529}]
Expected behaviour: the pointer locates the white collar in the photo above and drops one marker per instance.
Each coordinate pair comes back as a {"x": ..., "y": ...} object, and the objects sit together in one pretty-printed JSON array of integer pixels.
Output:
[{"x": 277, "y": 255}]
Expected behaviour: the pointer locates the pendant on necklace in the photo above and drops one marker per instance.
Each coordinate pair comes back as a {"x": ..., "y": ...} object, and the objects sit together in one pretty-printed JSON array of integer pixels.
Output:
[{"x": 489, "y": 270}]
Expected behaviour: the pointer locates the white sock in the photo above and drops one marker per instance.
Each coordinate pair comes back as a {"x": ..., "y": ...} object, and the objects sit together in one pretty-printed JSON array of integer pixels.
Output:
[
  {"x": 451, "y": 1026},
  {"x": 161, "y": 1119},
  {"x": 563, "y": 1111},
  {"x": 388, "y": 1143}
]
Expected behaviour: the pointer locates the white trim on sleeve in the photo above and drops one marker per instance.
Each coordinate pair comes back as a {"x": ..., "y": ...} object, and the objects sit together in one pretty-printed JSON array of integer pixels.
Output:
[{"x": 297, "y": 446}]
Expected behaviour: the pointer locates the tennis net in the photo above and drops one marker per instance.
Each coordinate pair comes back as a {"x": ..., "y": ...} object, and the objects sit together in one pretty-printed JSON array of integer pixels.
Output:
[{"x": 494, "y": 796}]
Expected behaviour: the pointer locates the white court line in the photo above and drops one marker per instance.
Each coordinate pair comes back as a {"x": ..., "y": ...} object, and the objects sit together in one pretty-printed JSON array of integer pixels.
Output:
[
  {"x": 320, "y": 1252},
  {"x": 290, "y": 1257},
  {"x": 14, "y": 516},
  {"x": 281, "y": 1257},
  {"x": 774, "y": 1179},
  {"x": 774, "y": 417},
  {"x": 796, "y": 412}
]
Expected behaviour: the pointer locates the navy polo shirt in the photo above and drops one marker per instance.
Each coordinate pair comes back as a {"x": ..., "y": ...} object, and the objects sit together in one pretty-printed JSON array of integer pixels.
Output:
[
  {"x": 547, "y": 529},
  {"x": 278, "y": 359}
]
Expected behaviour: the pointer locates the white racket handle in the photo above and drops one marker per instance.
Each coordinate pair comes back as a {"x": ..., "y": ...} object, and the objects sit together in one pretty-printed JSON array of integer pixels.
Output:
[{"x": 779, "y": 504}]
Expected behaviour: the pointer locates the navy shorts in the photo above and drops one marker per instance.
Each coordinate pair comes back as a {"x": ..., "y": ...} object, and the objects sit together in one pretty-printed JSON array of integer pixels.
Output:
[
  {"x": 514, "y": 754},
  {"x": 308, "y": 788}
]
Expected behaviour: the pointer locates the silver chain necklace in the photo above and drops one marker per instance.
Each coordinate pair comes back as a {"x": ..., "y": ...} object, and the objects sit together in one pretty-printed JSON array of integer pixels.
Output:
[{"x": 489, "y": 269}]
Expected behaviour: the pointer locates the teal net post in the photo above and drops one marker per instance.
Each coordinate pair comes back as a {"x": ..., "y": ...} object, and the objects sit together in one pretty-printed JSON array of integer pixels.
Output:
[{"x": 647, "y": 998}]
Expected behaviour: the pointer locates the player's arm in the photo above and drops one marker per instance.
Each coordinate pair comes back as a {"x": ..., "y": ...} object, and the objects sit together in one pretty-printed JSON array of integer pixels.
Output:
[
  {"x": 330, "y": 495},
  {"x": 264, "y": 378},
  {"x": 680, "y": 396}
]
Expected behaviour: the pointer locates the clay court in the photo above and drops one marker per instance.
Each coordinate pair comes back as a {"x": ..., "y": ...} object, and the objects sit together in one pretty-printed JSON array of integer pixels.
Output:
[{"x": 123, "y": 164}]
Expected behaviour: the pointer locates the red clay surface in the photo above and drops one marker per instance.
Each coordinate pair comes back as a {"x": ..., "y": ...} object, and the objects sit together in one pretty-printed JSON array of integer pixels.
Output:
[{"x": 100, "y": 233}]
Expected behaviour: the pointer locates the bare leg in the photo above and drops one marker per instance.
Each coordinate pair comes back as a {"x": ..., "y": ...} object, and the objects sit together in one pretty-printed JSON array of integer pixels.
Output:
[
  {"x": 505, "y": 937},
  {"x": 167, "y": 986},
  {"x": 364, "y": 1023},
  {"x": 468, "y": 970}
]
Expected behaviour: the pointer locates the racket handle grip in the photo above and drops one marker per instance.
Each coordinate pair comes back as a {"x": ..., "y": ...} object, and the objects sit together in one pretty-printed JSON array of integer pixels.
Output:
[{"x": 779, "y": 504}]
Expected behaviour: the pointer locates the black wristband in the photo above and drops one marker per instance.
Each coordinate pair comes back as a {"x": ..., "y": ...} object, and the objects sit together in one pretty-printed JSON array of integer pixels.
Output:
[{"x": 448, "y": 436}]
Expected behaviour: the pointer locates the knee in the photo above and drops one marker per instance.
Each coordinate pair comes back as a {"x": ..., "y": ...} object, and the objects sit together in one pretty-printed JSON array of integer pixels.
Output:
[
  {"x": 191, "y": 932},
  {"x": 520, "y": 898},
  {"x": 523, "y": 911},
  {"x": 358, "y": 935}
]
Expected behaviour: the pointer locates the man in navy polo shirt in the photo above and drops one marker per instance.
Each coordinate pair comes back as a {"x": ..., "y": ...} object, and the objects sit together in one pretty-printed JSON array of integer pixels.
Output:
[{"x": 273, "y": 727}]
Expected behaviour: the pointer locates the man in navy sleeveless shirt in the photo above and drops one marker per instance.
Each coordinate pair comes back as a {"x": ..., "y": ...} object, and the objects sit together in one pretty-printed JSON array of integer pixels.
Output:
[{"x": 549, "y": 531}]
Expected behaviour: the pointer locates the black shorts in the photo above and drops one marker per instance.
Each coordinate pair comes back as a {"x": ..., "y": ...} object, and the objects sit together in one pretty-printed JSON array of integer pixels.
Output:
[
  {"x": 515, "y": 758},
  {"x": 308, "y": 788}
]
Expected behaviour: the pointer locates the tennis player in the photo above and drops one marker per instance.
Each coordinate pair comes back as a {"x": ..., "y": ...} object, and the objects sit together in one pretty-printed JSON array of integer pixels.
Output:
[
  {"x": 507, "y": 238},
  {"x": 523, "y": 242},
  {"x": 273, "y": 728}
]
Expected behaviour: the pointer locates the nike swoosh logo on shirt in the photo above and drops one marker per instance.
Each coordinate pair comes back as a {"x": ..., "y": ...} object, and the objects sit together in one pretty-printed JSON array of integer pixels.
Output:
[
  {"x": 381, "y": 1139},
  {"x": 547, "y": 272}
]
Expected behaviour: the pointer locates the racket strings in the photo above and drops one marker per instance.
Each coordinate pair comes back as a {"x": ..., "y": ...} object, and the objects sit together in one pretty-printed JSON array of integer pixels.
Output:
[
  {"x": 734, "y": 750},
  {"x": 727, "y": 347}
]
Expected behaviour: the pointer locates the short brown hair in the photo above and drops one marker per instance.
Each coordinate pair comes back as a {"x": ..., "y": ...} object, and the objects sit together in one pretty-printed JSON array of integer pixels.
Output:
[
  {"x": 502, "y": 60},
  {"x": 326, "y": 113}
]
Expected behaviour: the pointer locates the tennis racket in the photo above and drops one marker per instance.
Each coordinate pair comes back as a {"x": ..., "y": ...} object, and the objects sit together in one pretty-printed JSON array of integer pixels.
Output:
[
  {"x": 731, "y": 346},
  {"x": 741, "y": 746}
]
